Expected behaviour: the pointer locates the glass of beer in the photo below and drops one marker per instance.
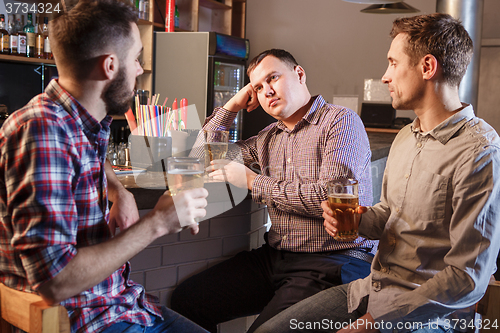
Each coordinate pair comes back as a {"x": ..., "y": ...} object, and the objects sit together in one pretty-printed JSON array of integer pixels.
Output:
[
  {"x": 343, "y": 201},
  {"x": 215, "y": 145},
  {"x": 184, "y": 173}
]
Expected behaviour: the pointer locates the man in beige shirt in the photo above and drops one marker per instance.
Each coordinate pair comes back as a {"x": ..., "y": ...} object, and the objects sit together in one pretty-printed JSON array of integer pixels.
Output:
[{"x": 438, "y": 220}]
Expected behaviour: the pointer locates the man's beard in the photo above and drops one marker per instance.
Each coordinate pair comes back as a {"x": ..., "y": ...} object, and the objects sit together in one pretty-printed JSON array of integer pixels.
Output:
[{"x": 116, "y": 95}]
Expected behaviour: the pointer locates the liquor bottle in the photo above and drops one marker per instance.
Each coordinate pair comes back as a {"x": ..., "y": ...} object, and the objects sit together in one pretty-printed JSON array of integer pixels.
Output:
[
  {"x": 21, "y": 37},
  {"x": 13, "y": 36},
  {"x": 4, "y": 36},
  {"x": 29, "y": 30},
  {"x": 47, "y": 51},
  {"x": 39, "y": 45},
  {"x": 38, "y": 39},
  {"x": 146, "y": 9},
  {"x": 176, "y": 17},
  {"x": 37, "y": 23}
]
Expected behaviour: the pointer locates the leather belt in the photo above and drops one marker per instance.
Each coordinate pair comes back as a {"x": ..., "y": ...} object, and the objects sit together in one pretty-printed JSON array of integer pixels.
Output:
[{"x": 357, "y": 254}]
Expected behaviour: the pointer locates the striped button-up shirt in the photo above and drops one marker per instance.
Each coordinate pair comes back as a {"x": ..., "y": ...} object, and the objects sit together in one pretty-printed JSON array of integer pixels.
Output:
[
  {"x": 53, "y": 200},
  {"x": 294, "y": 166}
]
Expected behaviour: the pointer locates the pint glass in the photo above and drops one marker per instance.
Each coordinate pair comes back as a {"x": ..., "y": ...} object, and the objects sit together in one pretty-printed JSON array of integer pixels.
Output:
[
  {"x": 184, "y": 173},
  {"x": 343, "y": 201}
]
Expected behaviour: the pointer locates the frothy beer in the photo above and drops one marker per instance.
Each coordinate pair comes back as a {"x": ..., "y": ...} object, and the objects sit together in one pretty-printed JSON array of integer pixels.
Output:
[{"x": 344, "y": 208}]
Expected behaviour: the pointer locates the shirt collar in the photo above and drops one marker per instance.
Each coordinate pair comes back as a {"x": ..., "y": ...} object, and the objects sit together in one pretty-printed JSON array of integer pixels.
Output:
[
  {"x": 447, "y": 129},
  {"x": 311, "y": 116},
  {"x": 60, "y": 96}
]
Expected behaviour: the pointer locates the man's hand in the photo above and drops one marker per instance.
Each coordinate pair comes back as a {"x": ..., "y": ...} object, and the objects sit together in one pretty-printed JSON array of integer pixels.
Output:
[
  {"x": 364, "y": 324},
  {"x": 331, "y": 223},
  {"x": 246, "y": 98},
  {"x": 123, "y": 212},
  {"x": 181, "y": 210},
  {"x": 233, "y": 172}
]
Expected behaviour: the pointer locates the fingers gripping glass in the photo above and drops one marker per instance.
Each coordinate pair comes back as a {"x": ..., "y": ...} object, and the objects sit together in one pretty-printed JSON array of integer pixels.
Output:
[{"x": 343, "y": 201}]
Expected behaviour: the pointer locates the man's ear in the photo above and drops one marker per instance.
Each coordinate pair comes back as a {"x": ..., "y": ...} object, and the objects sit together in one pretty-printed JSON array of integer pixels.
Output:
[
  {"x": 110, "y": 65},
  {"x": 301, "y": 73},
  {"x": 429, "y": 66}
]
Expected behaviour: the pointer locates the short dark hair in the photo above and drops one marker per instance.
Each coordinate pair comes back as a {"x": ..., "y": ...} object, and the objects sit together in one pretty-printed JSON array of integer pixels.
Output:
[
  {"x": 441, "y": 36},
  {"x": 282, "y": 55},
  {"x": 88, "y": 29}
]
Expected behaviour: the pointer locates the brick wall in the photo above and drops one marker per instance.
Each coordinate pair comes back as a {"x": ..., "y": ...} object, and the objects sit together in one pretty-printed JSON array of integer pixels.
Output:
[{"x": 169, "y": 260}]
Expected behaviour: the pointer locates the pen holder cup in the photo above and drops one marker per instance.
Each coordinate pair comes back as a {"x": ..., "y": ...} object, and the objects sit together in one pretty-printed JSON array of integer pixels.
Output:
[{"x": 151, "y": 153}]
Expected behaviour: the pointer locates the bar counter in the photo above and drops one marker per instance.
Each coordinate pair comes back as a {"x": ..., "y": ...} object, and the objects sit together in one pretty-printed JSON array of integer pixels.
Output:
[{"x": 153, "y": 186}]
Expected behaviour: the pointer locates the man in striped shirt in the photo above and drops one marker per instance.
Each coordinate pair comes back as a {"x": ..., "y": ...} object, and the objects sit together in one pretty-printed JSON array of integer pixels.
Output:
[
  {"x": 311, "y": 143},
  {"x": 54, "y": 214}
]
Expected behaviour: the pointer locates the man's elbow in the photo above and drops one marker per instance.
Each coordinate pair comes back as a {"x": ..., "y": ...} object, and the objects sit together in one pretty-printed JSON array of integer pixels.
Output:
[{"x": 51, "y": 294}]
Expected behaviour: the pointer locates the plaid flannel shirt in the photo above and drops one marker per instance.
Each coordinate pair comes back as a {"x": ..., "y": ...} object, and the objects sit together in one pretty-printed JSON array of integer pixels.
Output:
[{"x": 53, "y": 200}]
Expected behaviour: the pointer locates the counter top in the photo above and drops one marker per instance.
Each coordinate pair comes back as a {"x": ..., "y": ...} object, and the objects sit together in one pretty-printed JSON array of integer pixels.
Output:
[{"x": 380, "y": 143}]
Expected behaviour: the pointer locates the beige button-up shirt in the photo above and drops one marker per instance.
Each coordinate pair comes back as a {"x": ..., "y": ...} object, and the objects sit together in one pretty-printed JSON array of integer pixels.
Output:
[{"x": 438, "y": 223}]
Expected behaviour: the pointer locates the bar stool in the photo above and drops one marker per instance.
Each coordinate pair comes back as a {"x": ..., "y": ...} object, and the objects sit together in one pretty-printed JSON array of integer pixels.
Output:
[{"x": 30, "y": 313}]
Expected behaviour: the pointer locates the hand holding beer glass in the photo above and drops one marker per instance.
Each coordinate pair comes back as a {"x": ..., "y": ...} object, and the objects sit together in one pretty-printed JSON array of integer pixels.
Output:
[
  {"x": 343, "y": 201},
  {"x": 183, "y": 174},
  {"x": 216, "y": 144}
]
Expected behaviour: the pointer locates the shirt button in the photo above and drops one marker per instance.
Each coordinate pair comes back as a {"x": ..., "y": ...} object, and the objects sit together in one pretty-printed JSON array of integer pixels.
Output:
[
  {"x": 419, "y": 145},
  {"x": 397, "y": 210},
  {"x": 407, "y": 176},
  {"x": 289, "y": 159},
  {"x": 384, "y": 270},
  {"x": 285, "y": 237}
]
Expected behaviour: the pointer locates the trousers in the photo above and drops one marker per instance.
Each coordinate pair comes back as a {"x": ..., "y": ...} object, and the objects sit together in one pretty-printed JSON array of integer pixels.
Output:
[
  {"x": 327, "y": 312},
  {"x": 172, "y": 323},
  {"x": 263, "y": 281}
]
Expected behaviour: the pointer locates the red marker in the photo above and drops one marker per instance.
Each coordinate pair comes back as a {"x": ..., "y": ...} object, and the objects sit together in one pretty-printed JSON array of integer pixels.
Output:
[
  {"x": 176, "y": 114},
  {"x": 129, "y": 115},
  {"x": 184, "y": 105}
]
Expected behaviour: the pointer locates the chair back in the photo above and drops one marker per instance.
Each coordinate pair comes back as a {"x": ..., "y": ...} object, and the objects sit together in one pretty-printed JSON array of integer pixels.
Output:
[
  {"x": 30, "y": 313},
  {"x": 489, "y": 308}
]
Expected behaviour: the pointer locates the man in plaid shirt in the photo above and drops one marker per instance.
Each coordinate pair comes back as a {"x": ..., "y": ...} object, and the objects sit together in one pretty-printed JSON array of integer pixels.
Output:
[
  {"x": 54, "y": 234},
  {"x": 312, "y": 143}
]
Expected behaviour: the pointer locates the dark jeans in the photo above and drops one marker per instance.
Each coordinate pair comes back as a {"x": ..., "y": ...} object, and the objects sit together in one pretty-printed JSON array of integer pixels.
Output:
[
  {"x": 171, "y": 323},
  {"x": 264, "y": 281}
]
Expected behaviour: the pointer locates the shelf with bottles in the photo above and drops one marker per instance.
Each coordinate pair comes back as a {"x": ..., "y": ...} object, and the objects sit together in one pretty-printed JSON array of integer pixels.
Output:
[
  {"x": 146, "y": 30},
  {"x": 213, "y": 4},
  {"x": 26, "y": 41},
  {"x": 16, "y": 58},
  {"x": 224, "y": 16}
]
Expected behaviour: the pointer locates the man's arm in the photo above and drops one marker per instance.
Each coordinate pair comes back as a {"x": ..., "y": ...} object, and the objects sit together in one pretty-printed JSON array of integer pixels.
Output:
[
  {"x": 93, "y": 264},
  {"x": 344, "y": 154},
  {"x": 123, "y": 212},
  {"x": 246, "y": 98}
]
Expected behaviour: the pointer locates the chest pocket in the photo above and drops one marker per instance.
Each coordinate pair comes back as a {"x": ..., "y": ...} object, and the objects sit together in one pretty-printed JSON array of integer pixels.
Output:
[{"x": 428, "y": 193}]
